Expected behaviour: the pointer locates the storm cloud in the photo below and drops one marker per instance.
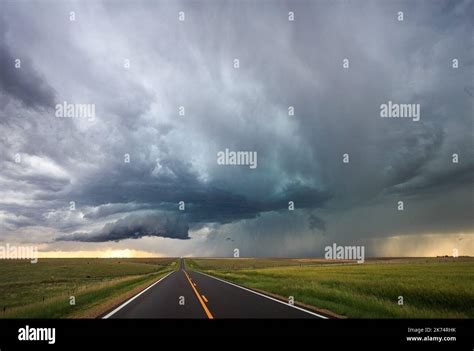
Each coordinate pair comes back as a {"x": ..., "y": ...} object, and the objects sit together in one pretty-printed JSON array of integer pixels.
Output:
[
  {"x": 135, "y": 227},
  {"x": 169, "y": 97},
  {"x": 20, "y": 80}
]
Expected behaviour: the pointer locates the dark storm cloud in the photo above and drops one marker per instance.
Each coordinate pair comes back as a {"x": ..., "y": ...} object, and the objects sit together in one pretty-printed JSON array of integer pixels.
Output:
[
  {"x": 135, "y": 227},
  {"x": 23, "y": 84},
  {"x": 110, "y": 209},
  {"x": 217, "y": 206},
  {"x": 205, "y": 202},
  {"x": 443, "y": 180},
  {"x": 173, "y": 157}
]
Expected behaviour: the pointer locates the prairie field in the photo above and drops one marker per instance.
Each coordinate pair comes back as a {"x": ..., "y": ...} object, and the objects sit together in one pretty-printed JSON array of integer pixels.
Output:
[
  {"x": 44, "y": 289},
  {"x": 429, "y": 287}
]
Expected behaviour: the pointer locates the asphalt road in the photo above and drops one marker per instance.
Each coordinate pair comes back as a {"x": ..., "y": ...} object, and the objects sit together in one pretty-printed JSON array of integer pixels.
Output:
[{"x": 189, "y": 294}]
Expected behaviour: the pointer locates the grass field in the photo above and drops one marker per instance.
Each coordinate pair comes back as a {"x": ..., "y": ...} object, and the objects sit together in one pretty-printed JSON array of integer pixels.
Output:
[
  {"x": 431, "y": 287},
  {"x": 43, "y": 290}
]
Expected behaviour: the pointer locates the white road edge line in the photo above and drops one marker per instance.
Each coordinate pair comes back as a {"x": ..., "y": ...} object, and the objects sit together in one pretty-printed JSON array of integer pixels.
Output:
[
  {"x": 263, "y": 295},
  {"x": 134, "y": 297}
]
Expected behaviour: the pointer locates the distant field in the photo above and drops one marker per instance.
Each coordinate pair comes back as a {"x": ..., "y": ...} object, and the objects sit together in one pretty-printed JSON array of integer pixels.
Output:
[
  {"x": 43, "y": 290},
  {"x": 431, "y": 287}
]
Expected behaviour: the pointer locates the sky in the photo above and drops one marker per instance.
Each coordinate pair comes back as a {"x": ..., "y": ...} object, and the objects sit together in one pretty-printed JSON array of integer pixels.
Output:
[{"x": 168, "y": 96}]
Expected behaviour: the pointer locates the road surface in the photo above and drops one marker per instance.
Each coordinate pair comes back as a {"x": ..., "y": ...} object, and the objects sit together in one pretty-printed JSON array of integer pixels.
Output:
[{"x": 188, "y": 294}]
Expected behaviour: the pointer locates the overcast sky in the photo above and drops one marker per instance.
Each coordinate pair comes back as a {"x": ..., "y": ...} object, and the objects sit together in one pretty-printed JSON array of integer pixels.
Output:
[{"x": 135, "y": 206}]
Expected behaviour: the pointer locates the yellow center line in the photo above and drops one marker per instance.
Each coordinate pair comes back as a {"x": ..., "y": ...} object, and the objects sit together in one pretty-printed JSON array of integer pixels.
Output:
[
  {"x": 204, "y": 298},
  {"x": 203, "y": 304}
]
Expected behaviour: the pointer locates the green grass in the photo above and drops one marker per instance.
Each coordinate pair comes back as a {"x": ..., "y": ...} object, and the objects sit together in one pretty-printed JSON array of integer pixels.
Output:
[
  {"x": 42, "y": 290},
  {"x": 431, "y": 288}
]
